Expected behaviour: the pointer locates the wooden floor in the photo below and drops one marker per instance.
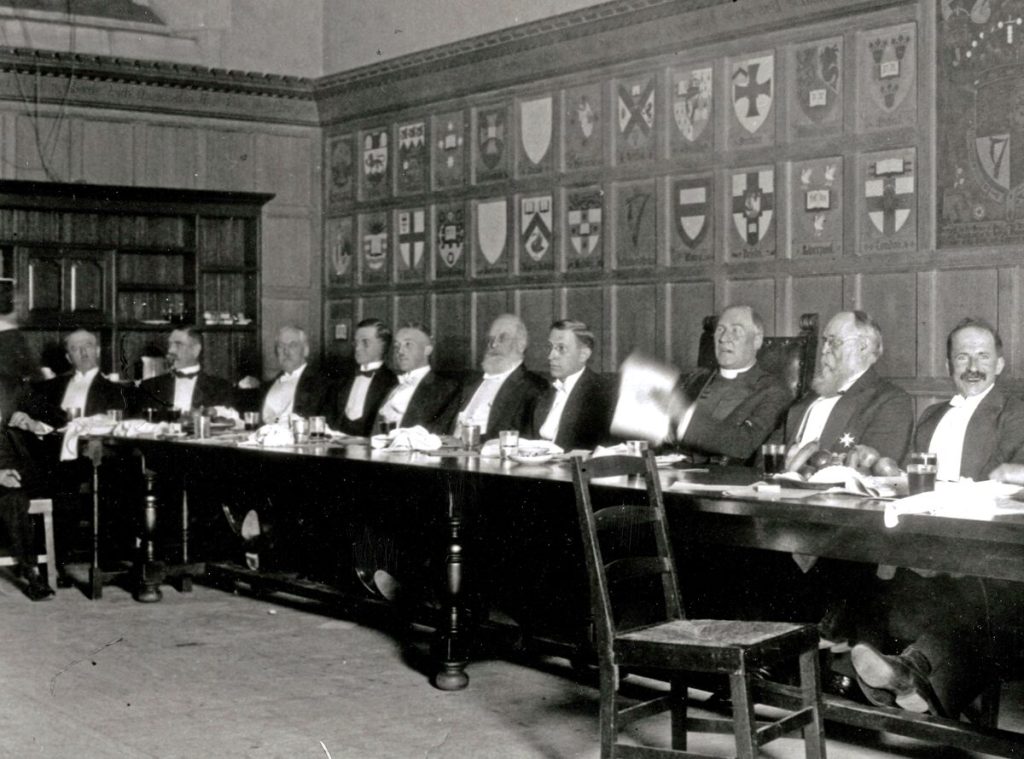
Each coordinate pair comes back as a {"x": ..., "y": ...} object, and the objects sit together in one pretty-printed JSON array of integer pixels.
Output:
[{"x": 214, "y": 674}]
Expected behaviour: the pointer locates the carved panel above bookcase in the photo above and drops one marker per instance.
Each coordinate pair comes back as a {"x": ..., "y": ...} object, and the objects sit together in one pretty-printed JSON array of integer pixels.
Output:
[{"x": 130, "y": 263}]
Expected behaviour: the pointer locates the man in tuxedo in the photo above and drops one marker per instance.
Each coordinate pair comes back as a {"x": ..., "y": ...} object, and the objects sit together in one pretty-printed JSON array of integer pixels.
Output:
[
  {"x": 14, "y": 498},
  {"x": 421, "y": 397},
  {"x": 298, "y": 389},
  {"x": 361, "y": 392},
  {"x": 851, "y": 404},
  {"x": 958, "y": 627},
  {"x": 576, "y": 410},
  {"x": 732, "y": 409},
  {"x": 186, "y": 386},
  {"x": 83, "y": 389},
  {"x": 504, "y": 397}
]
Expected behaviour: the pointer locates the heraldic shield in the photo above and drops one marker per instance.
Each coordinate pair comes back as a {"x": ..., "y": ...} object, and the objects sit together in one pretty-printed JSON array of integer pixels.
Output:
[
  {"x": 492, "y": 228},
  {"x": 691, "y": 102},
  {"x": 818, "y": 79},
  {"x": 412, "y": 237},
  {"x": 753, "y": 83},
  {"x": 451, "y": 235},
  {"x": 535, "y": 128},
  {"x": 691, "y": 209},
  {"x": 537, "y": 217},
  {"x": 753, "y": 203}
]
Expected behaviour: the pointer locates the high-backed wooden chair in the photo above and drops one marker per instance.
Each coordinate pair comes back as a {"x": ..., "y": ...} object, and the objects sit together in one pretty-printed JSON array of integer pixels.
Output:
[
  {"x": 44, "y": 508},
  {"x": 790, "y": 357},
  {"x": 640, "y": 626}
]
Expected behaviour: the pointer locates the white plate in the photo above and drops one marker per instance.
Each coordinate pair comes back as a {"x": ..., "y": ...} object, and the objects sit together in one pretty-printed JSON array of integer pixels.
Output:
[
  {"x": 529, "y": 457},
  {"x": 155, "y": 321}
]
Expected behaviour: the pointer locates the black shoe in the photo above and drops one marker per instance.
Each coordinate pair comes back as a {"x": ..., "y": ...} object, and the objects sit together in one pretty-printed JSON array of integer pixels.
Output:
[
  {"x": 36, "y": 589},
  {"x": 894, "y": 679}
]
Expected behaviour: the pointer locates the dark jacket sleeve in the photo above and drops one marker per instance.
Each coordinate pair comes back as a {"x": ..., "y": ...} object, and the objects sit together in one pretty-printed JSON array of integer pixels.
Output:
[{"x": 740, "y": 433}]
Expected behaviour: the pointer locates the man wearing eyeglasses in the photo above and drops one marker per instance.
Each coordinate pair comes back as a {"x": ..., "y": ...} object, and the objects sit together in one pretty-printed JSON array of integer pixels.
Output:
[
  {"x": 851, "y": 404},
  {"x": 504, "y": 397}
]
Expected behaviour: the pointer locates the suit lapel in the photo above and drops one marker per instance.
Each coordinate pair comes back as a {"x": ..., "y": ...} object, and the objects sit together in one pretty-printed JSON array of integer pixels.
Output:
[
  {"x": 839, "y": 420},
  {"x": 982, "y": 436}
]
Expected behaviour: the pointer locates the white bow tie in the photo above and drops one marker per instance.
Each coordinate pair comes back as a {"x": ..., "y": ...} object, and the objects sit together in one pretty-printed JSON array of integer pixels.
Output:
[
  {"x": 406, "y": 379},
  {"x": 957, "y": 401}
]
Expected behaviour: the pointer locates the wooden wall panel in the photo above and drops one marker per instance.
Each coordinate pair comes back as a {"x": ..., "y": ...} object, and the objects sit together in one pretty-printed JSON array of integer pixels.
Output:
[
  {"x": 537, "y": 310},
  {"x": 891, "y": 299},
  {"x": 339, "y": 332},
  {"x": 688, "y": 304},
  {"x": 759, "y": 293},
  {"x": 956, "y": 294},
  {"x": 168, "y": 156},
  {"x": 230, "y": 163},
  {"x": 587, "y": 304},
  {"x": 287, "y": 251},
  {"x": 377, "y": 307},
  {"x": 411, "y": 308},
  {"x": 452, "y": 332},
  {"x": 822, "y": 295},
  {"x": 106, "y": 151},
  {"x": 285, "y": 166},
  {"x": 637, "y": 326},
  {"x": 43, "y": 148}
]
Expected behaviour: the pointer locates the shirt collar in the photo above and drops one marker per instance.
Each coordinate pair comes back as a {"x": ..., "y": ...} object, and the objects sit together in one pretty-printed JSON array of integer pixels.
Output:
[
  {"x": 191, "y": 371},
  {"x": 569, "y": 382},
  {"x": 87, "y": 375},
  {"x": 503, "y": 375},
  {"x": 415, "y": 375},
  {"x": 970, "y": 402},
  {"x": 371, "y": 367},
  {"x": 7, "y": 324},
  {"x": 295, "y": 374},
  {"x": 849, "y": 383},
  {"x": 734, "y": 373}
]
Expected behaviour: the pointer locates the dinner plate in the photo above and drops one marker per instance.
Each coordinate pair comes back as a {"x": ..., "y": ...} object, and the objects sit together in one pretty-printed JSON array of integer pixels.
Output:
[
  {"x": 786, "y": 482},
  {"x": 524, "y": 457}
]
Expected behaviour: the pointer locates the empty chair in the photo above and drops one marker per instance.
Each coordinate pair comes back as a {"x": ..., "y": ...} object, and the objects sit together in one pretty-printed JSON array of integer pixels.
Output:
[{"x": 640, "y": 624}]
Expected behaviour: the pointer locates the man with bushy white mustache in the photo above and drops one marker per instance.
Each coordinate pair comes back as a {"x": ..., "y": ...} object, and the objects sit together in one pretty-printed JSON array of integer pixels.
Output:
[{"x": 504, "y": 397}]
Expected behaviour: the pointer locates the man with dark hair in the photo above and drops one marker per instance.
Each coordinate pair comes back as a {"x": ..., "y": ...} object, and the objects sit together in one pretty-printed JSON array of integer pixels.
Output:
[
  {"x": 186, "y": 386},
  {"x": 576, "y": 410},
  {"x": 361, "y": 392},
  {"x": 421, "y": 397},
  {"x": 959, "y": 626},
  {"x": 504, "y": 397},
  {"x": 733, "y": 408}
]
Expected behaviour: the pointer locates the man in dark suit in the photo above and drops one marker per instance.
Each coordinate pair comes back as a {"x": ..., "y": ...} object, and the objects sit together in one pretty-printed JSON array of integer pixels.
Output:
[
  {"x": 186, "y": 386},
  {"x": 734, "y": 408},
  {"x": 576, "y": 410},
  {"x": 84, "y": 390},
  {"x": 14, "y": 499},
  {"x": 959, "y": 627},
  {"x": 851, "y": 405},
  {"x": 421, "y": 397},
  {"x": 361, "y": 392},
  {"x": 504, "y": 397},
  {"x": 298, "y": 389}
]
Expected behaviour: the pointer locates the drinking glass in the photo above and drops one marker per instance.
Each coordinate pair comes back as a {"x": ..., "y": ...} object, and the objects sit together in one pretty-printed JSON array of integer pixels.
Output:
[
  {"x": 508, "y": 442},
  {"x": 115, "y": 415},
  {"x": 317, "y": 427},
  {"x": 251, "y": 419},
  {"x": 773, "y": 458},
  {"x": 637, "y": 447},
  {"x": 921, "y": 470},
  {"x": 300, "y": 428},
  {"x": 471, "y": 436}
]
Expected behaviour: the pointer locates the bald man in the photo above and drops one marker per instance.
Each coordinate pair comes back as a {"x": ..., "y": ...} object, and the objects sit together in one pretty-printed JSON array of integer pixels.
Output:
[
  {"x": 421, "y": 397},
  {"x": 297, "y": 389}
]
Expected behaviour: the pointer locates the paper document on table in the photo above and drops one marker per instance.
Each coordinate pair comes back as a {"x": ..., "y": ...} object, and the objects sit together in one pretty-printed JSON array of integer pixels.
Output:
[
  {"x": 645, "y": 393},
  {"x": 965, "y": 499}
]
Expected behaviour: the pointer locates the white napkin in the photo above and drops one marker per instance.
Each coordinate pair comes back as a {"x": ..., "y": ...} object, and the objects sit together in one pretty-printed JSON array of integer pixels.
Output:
[
  {"x": 965, "y": 500},
  {"x": 98, "y": 424},
  {"x": 408, "y": 439},
  {"x": 271, "y": 436}
]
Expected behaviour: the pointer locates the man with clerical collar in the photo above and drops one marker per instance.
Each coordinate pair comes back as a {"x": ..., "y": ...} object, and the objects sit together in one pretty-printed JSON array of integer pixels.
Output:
[
  {"x": 576, "y": 410},
  {"x": 960, "y": 627},
  {"x": 362, "y": 391},
  {"x": 82, "y": 391},
  {"x": 504, "y": 397},
  {"x": 297, "y": 389},
  {"x": 421, "y": 397},
  {"x": 186, "y": 386},
  {"x": 851, "y": 404},
  {"x": 735, "y": 407}
]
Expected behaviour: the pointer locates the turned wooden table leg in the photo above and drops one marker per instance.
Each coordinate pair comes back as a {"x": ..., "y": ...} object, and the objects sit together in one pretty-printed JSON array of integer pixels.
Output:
[
  {"x": 149, "y": 573},
  {"x": 451, "y": 632},
  {"x": 95, "y": 574}
]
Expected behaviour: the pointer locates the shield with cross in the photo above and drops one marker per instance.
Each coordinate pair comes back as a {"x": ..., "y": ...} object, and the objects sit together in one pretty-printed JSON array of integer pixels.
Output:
[
  {"x": 412, "y": 240},
  {"x": 753, "y": 85},
  {"x": 890, "y": 201},
  {"x": 753, "y": 203}
]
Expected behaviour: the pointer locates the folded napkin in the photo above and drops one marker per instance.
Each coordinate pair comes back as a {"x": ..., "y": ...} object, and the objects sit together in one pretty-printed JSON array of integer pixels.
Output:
[
  {"x": 275, "y": 435},
  {"x": 407, "y": 439},
  {"x": 98, "y": 424},
  {"x": 965, "y": 500},
  {"x": 493, "y": 447}
]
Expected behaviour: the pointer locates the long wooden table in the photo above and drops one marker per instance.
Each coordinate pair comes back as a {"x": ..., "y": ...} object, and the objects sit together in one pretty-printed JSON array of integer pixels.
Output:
[{"x": 468, "y": 514}]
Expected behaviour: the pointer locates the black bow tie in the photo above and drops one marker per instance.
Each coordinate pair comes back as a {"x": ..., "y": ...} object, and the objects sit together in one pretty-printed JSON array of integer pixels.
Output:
[
  {"x": 185, "y": 375},
  {"x": 366, "y": 372}
]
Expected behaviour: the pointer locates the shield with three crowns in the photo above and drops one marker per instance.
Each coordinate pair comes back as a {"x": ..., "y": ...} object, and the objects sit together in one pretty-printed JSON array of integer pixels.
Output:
[
  {"x": 691, "y": 101},
  {"x": 753, "y": 203},
  {"x": 537, "y": 225},
  {"x": 412, "y": 237},
  {"x": 753, "y": 83},
  {"x": 412, "y": 156},
  {"x": 492, "y": 228},
  {"x": 584, "y": 218},
  {"x": 818, "y": 79},
  {"x": 451, "y": 235},
  {"x": 375, "y": 156},
  {"x": 535, "y": 127},
  {"x": 892, "y": 55},
  {"x": 692, "y": 204},
  {"x": 889, "y": 191}
]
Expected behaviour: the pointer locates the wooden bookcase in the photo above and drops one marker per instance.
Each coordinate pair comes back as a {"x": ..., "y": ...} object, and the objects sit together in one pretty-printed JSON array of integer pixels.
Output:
[{"x": 131, "y": 263}]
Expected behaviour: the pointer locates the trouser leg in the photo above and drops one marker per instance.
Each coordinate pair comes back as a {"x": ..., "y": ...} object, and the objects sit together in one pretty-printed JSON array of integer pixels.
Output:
[{"x": 15, "y": 517}]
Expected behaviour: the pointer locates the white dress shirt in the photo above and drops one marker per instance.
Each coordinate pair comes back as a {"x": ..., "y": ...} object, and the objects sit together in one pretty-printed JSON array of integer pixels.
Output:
[
  {"x": 563, "y": 389},
  {"x": 280, "y": 398},
  {"x": 184, "y": 387},
  {"x": 398, "y": 400},
  {"x": 478, "y": 410},
  {"x": 948, "y": 438},
  {"x": 78, "y": 389},
  {"x": 356, "y": 404},
  {"x": 817, "y": 414}
]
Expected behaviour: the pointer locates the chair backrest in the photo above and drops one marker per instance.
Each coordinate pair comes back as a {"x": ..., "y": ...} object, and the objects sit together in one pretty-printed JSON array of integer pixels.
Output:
[
  {"x": 792, "y": 358},
  {"x": 632, "y": 572}
]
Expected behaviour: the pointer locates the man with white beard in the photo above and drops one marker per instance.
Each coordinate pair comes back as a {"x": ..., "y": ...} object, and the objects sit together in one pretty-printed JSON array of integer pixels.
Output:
[{"x": 851, "y": 405}]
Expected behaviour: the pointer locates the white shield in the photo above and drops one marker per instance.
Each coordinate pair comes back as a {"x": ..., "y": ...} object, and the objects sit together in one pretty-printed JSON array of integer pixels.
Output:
[
  {"x": 535, "y": 126},
  {"x": 492, "y": 228},
  {"x": 753, "y": 82}
]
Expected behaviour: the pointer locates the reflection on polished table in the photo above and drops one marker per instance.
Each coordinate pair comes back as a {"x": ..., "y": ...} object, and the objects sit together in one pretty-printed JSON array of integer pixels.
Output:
[{"x": 490, "y": 530}]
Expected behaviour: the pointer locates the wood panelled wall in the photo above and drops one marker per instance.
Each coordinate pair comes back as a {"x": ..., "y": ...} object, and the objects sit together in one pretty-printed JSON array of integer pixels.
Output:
[
  {"x": 652, "y": 295},
  {"x": 107, "y": 122}
]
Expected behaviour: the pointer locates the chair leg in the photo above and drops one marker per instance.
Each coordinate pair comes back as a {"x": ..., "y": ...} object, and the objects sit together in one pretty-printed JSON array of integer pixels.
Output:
[
  {"x": 609, "y": 715},
  {"x": 810, "y": 695},
  {"x": 744, "y": 726},
  {"x": 679, "y": 704}
]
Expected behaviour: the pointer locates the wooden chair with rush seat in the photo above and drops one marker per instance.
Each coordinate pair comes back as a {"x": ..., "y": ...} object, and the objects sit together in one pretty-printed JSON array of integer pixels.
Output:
[{"x": 630, "y": 562}]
